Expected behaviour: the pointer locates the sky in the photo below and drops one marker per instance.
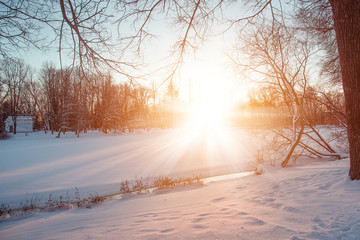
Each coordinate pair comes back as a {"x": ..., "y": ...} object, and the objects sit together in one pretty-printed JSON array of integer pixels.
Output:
[{"x": 206, "y": 75}]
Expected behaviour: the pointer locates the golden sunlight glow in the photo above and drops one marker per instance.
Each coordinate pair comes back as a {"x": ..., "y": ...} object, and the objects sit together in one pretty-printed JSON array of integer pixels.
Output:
[
  {"x": 208, "y": 115},
  {"x": 210, "y": 91}
]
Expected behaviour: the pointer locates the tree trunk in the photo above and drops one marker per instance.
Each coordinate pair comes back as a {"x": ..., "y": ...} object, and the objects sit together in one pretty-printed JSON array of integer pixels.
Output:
[
  {"x": 14, "y": 124},
  {"x": 346, "y": 14},
  {"x": 296, "y": 141}
]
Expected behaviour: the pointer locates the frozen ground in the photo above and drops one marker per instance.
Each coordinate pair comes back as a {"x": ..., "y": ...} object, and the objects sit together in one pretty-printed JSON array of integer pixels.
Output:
[
  {"x": 38, "y": 164},
  {"x": 310, "y": 201}
]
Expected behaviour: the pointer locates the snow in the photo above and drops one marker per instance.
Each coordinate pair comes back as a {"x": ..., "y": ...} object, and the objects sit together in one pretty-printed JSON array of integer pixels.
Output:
[
  {"x": 36, "y": 165},
  {"x": 306, "y": 201}
]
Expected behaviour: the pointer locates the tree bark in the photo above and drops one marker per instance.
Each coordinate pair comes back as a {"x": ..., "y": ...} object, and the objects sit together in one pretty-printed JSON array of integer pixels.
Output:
[
  {"x": 293, "y": 146},
  {"x": 346, "y": 14}
]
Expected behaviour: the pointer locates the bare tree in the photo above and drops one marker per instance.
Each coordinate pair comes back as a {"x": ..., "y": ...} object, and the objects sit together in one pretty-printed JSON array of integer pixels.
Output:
[
  {"x": 281, "y": 57},
  {"x": 3, "y": 90},
  {"x": 3, "y": 106},
  {"x": 81, "y": 29},
  {"x": 15, "y": 74},
  {"x": 193, "y": 19},
  {"x": 20, "y": 24},
  {"x": 86, "y": 24},
  {"x": 141, "y": 96},
  {"x": 66, "y": 104},
  {"x": 37, "y": 102},
  {"x": 109, "y": 109},
  {"x": 316, "y": 19},
  {"x": 51, "y": 83},
  {"x": 80, "y": 97}
]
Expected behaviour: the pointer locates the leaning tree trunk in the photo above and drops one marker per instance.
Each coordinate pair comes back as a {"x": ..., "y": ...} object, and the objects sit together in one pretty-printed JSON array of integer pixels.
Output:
[
  {"x": 346, "y": 14},
  {"x": 296, "y": 141}
]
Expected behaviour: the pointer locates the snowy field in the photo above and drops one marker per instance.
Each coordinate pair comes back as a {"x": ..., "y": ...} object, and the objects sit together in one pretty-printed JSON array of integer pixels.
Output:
[
  {"x": 40, "y": 164},
  {"x": 306, "y": 201}
]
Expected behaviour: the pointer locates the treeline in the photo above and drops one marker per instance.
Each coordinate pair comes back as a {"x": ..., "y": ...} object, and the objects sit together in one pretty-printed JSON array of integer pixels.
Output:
[
  {"x": 69, "y": 100},
  {"x": 266, "y": 108}
]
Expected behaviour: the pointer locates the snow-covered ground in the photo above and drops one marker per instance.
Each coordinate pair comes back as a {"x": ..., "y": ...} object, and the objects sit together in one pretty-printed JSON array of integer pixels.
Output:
[
  {"x": 308, "y": 201},
  {"x": 39, "y": 164}
]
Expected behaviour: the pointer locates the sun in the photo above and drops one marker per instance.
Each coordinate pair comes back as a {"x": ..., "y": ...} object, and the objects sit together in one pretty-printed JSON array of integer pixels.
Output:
[{"x": 210, "y": 95}]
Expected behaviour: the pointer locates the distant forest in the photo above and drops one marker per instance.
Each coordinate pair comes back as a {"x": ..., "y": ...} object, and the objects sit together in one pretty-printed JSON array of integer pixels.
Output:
[{"x": 66, "y": 100}]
